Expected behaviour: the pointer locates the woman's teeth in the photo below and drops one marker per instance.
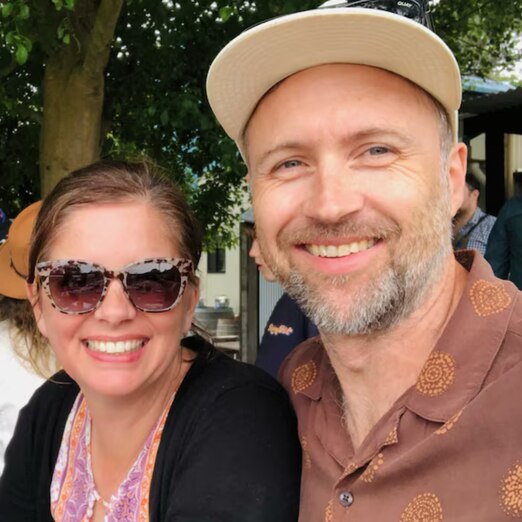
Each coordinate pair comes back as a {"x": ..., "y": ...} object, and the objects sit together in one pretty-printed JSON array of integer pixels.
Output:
[
  {"x": 340, "y": 250},
  {"x": 115, "y": 346}
]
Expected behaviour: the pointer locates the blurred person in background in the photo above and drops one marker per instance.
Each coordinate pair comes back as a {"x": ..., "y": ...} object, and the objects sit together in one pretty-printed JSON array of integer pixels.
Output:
[
  {"x": 21, "y": 370},
  {"x": 4, "y": 226},
  {"x": 504, "y": 249},
  {"x": 286, "y": 327},
  {"x": 471, "y": 225}
]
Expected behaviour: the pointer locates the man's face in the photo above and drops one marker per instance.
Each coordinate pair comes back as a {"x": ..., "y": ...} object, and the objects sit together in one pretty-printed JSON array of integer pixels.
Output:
[{"x": 352, "y": 207}]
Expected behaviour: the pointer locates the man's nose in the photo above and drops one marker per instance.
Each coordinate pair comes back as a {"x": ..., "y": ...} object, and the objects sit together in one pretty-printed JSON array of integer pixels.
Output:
[{"x": 334, "y": 192}]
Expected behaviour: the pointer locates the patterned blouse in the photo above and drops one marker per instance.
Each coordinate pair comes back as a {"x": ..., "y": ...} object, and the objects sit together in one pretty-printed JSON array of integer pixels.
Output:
[{"x": 73, "y": 492}]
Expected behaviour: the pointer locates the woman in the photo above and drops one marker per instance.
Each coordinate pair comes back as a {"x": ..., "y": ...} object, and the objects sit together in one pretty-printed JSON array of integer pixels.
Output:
[{"x": 138, "y": 426}]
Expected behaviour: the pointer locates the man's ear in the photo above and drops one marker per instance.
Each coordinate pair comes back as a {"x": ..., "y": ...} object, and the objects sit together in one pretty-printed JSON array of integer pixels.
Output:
[
  {"x": 34, "y": 300},
  {"x": 457, "y": 164}
]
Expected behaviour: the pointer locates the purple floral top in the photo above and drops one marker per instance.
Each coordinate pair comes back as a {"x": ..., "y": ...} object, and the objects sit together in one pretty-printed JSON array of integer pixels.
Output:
[{"x": 73, "y": 492}]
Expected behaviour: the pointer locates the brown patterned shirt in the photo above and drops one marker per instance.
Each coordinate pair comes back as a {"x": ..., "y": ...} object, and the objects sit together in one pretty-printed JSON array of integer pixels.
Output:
[{"x": 450, "y": 449}]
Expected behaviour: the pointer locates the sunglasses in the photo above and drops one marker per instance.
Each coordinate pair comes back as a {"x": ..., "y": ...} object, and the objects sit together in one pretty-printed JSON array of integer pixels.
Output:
[
  {"x": 79, "y": 287},
  {"x": 415, "y": 10}
]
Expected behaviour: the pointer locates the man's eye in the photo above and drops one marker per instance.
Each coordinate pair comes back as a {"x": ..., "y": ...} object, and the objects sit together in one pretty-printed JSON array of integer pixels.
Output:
[
  {"x": 378, "y": 150},
  {"x": 290, "y": 164}
]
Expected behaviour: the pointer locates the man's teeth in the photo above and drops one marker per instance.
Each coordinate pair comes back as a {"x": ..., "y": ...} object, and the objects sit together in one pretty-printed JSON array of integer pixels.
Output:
[
  {"x": 340, "y": 250},
  {"x": 115, "y": 346}
]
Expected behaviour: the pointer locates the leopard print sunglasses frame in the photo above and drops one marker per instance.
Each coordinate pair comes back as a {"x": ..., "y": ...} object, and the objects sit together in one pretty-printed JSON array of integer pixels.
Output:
[{"x": 68, "y": 268}]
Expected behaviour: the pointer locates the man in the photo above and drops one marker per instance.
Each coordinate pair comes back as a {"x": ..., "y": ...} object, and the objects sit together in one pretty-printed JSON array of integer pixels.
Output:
[
  {"x": 286, "y": 327},
  {"x": 471, "y": 226},
  {"x": 504, "y": 249},
  {"x": 408, "y": 403}
]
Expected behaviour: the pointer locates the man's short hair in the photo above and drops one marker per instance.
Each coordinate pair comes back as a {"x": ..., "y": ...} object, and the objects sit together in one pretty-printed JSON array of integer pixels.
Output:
[{"x": 472, "y": 182}]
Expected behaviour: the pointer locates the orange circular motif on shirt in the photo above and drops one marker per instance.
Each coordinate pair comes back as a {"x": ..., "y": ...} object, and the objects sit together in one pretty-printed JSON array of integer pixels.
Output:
[
  {"x": 488, "y": 298},
  {"x": 423, "y": 508},
  {"x": 392, "y": 438},
  {"x": 350, "y": 469},
  {"x": 450, "y": 424},
  {"x": 511, "y": 492},
  {"x": 304, "y": 376},
  {"x": 437, "y": 375},
  {"x": 373, "y": 467},
  {"x": 307, "y": 461},
  {"x": 328, "y": 512}
]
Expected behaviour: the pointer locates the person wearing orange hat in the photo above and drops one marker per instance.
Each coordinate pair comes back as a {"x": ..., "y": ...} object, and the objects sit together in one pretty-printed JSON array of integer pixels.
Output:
[
  {"x": 18, "y": 332},
  {"x": 13, "y": 253}
]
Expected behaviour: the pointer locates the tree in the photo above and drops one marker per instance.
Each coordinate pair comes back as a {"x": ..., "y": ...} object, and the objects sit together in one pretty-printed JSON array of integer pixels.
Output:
[
  {"x": 80, "y": 79},
  {"x": 482, "y": 33},
  {"x": 57, "y": 75}
]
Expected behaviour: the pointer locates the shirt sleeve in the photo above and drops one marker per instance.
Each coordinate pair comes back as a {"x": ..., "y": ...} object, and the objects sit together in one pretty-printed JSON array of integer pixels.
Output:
[
  {"x": 242, "y": 462},
  {"x": 17, "y": 487},
  {"x": 31, "y": 454}
]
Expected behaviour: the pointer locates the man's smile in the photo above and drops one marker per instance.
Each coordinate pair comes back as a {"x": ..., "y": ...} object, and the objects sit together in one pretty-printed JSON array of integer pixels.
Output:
[{"x": 340, "y": 250}]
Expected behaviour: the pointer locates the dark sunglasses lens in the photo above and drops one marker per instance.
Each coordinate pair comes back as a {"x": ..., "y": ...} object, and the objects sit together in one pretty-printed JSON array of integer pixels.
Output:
[
  {"x": 76, "y": 287},
  {"x": 153, "y": 286}
]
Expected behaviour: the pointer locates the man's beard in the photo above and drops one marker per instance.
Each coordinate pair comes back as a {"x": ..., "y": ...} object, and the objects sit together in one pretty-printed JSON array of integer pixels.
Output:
[{"x": 416, "y": 262}]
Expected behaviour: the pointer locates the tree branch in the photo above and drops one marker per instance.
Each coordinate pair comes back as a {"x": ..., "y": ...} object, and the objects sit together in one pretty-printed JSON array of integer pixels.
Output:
[{"x": 98, "y": 45}]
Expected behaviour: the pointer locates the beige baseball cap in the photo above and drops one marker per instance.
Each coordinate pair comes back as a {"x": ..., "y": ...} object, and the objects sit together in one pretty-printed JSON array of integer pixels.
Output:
[
  {"x": 265, "y": 54},
  {"x": 14, "y": 262}
]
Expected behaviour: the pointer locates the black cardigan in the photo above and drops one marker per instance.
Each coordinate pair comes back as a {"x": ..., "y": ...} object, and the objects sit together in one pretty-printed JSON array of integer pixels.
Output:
[{"x": 229, "y": 450}]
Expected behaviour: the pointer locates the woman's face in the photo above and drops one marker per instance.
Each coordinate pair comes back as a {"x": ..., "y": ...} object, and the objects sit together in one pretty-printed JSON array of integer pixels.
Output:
[{"x": 114, "y": 236}]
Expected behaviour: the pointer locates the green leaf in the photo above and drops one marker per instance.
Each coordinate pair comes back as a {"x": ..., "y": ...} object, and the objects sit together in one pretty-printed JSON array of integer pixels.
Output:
[
  {"x": 21, "y": 54},
  {"x": 24, "y": 12},
  {"x": 164, "y": 118},
  {"x": 69, "y": 4},
  {"x": 225, "y": 13},
  {"x": 67, "y": 39},
  {"x": 58, "y": 4},
  {"x": 6, "y": 10}
]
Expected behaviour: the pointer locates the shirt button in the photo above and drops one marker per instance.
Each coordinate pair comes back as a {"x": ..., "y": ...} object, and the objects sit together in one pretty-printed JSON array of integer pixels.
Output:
[{"x": 345, "y": 498}]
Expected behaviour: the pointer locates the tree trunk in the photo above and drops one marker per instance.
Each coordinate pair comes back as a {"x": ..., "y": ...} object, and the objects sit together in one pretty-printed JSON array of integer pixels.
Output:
[
  {"x": 73, "y": 92},
  {"x": 71, "y": 122}
]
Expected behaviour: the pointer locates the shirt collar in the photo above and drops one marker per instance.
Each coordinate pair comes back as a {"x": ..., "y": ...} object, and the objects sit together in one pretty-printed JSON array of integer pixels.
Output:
[
  {"x": 475, "y": 218},
  {"x": 457, "y": 367}
]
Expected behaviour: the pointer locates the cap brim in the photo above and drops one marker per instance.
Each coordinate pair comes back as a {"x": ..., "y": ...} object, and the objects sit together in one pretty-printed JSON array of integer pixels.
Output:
[
  {"x": 266, "y": 54},
  {"x": 11, "y": 284}
]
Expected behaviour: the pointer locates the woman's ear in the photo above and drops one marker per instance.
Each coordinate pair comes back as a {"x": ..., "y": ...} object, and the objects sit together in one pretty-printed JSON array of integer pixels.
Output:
[
  {"x": 34, "y": 300},
  {"x": 192, "y": 295}
]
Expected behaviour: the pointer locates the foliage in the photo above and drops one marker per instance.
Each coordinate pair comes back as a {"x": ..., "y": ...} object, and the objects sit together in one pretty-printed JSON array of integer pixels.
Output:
[
  {"x": 482, "y": 33},
  {"x": 155, "y": 102}
]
